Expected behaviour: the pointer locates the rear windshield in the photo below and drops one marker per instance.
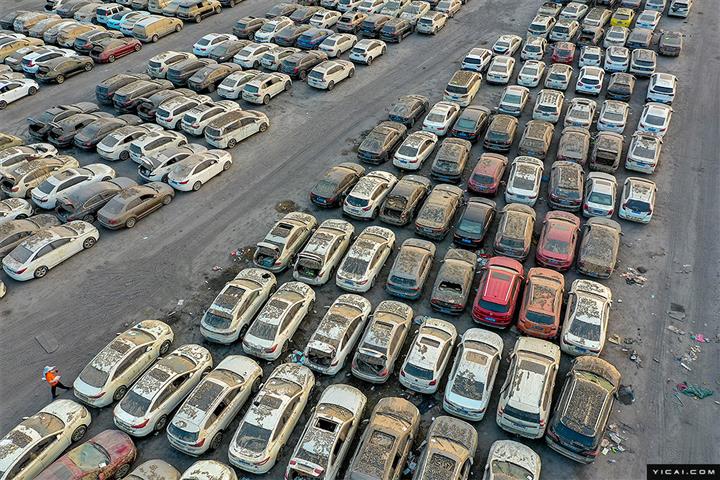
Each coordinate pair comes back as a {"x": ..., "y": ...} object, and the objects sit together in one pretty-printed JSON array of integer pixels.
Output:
[{"x": 418, "y": 372}]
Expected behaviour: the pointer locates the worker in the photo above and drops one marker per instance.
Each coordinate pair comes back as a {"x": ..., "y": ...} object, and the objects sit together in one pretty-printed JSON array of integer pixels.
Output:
[{"x": 52, "y": 377}]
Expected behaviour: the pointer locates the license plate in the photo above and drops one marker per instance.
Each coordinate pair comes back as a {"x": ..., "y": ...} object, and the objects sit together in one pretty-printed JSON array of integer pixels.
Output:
[
  {"x": 466, "y": 241},
  {"x": 320, "y": 200},
  {"x": 490, "y": 319}
]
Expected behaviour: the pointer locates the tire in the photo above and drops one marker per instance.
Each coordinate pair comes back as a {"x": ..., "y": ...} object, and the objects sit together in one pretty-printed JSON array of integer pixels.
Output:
[
  {"x": 285, "y": 347},
  {"x": 232, "y": 143},
  {"x": 216, "y": 441},
  {"x": 22, "y": 216},
  {"x": 218, "y": 10},
  {"x": 303, "y": 75},
  {"x": 266, "y": 99},
  {"x": 138, "y": 47},
  {"x": 122, "y": 471},
  {"x": 263, "y": 127},
  {"x": 167, "y": 200},
  {"x": 226, "y": 166},
  {"x": 160, "y": 424},
  {"x": 211, "y": 88},
  {"x": 197, "y": 186},
  {"x": 119, "y": 393},
  {"x": 256, "y": 385},
  {"x": 60, "y": 79},
  {"x": 288, "y": 85},
  {"x": 88, "y": 218},
  {"x": 383, "y": 50},
  {"x": 164, "y": 348},
  {"x": 88, "y": 67},
  {"x": 178, "y": 27},
  {"x": 3, "y": 104},
  {"x": 351, "y": 73},
  {"x": 40, "y": 272},
  {"x": 331, "y": 85},
  {"x": 231, "y": 3},
  {"x": 155, "y": 38},
  {"x": 130, "y": 222},
  {"x": 79, "y": 433},
  {"x": 89, "y": 243},
  {"x": 32, "y": 91},
  {"x": 198, "y": 19},
  {"x": 369, "y": 61},
  {"x": 124, "y": 155}
]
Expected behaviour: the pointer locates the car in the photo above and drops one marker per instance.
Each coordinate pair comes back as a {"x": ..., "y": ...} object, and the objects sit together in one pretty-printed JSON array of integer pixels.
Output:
[
  {"x": 549, "y": 9},
  {"x": 539, "y": 314},
  {"x": 13, "y": 90},
  {"x": 536, "y": 139},
  {"x": 500, "y": 134},
  {"x": 106, "y": 89},
  {"x": 85, "y": 42},
  {"x": 617, "y": 59},
  {"x": 151, "y": 468},
  {"x": 361, "y": 265},
  {"x": 449, "y": 449},
  {"x": 36, "y": 255},
  {"x": 235, "y": 126},
  {"x": 281, "y": 9},
  {"x": 474, "y": 222},
  {"x": 12, "y": 45},
  {"x": 530, "y": 73},
  {"x": 62, "y": 132},
  {"x": 276, "y": 251},
  {"x": 563, "y": 53},
  {"x": 154, "y": 142},
  {"x": 615, "y": 36},
  {"x": 158, "y": 66},
  {"x": 232, "y": 86},
  {"x": 638, "y": 200},
  {"x": 270, "y": 29},
  {"x": 303, "y": 14},
  {"x": 679, "y": 8},
  {"x": 337, "y": 44},
  {"x": 14, "y": 209},
  {"x": 19, "y": 180},
  {"x": 395, "y": 30},
  {"x": 107, "y": 377},
  {"x": 410, "y": 269},
  {"x": 117, "y": 20},
  {"x": 500, "y": 70},
  {"x": 574, "y": 11},
  {"x": 548, "y": 105},
  {"x": 169, "y": 112},
  {"x": 93, "y": 133},
  {"x": 431, "y": 22},
  {"x": 435, "y": 217},
  {"x": 130, "y": 97},
  {"x": 110, "y": 49},
  {"x": 648, "y": 19},
  {"x": 14, "y": 60},
  {"x": 514, "y": 232},
  {"x": 598, "y": 17},
  {"x": 495, "y": 302},
  {"x": 477, "y": 60},
  {"x": 565, "y": 191},
  {"x": 414, "y": 150},
  {"x": 580, "y": 113},
  {"x": 590, "y": 81},
  {"x": 350, "y": 21},
  {"x": 564, "y": 30},
  {"x": 13, "y": 157},
  {"x": 84, "y": 202},
  {"x": 540, "y": 26},
  {"x": 318, "y": 259},
  {"x": 327, "y": 74},
  {"x": 441, "y": 117},
  {"x": 428, "y": 356},
  {"x": 453, "y": 281},
  {"x": 394, "y": 8},
  {"x": 209, "y": 77},
  {"x": 210, "y": 468},
  {"x": 370, "y": 6},
  {"x": 621, "y": 86},
  {"x": 192, "y": 172},
  {"x": 25, "y": 21},
  {"x": 246, "y": 27},
  {"x": 196, "y": 10},
  {"x": 108, "y": 454},
  {"x": 590, "y": 36},
  {"x": 273, "y": 414},
  {"x": 606, "y": 151},
  {"x": 639, "y": 38},
  {"x": 201, "y": 420},
  {"x": 655, "y": 119},
  {"x": 622, "y": 17},
  {"x": 47, "y": 433},
  {"x": 449, "y": 7},
  {"x": 599, "y": 247},
  {"x": 66, "y": 181},
  {"x": 408, "y": 109},
  {"x": 299, "y": 64},
  {"x": 613, "y": 116},
  {"x": 524, "y": 408},
  {"x": 534, "y": 48},
  {"x": 367, "y": 50},
  {"x": 288, "y": 36},
  {"x": 600, "y": 195},
  {"x": 133, "y": 204},
  {"x": 510, "y": 456},
  {"x": 670, "y": 43},
  {"x": 157, "y": 166},
  {"x": 523, "y": 185},
  {"x": 591, "y": 56},
  {"x": 470, "y": 123},
  {"x": 585, "y": 324},
  {"x": 381, "y": 142},
  {"x": 642, "y": 62},
  {"x": 335, "y": 184},
  {"x": 450, "y": 160},
  {"x": 462, "y": 87},
  {"x": 415, "y": 10},
  {"x": 207, "y": 43},
  {"x": 180, "y": 72},
  {"x": 558, "y": 76},
  {"x": 273, "y": 59},
  {"x": 405, "y": 198},
  {"x": 61, "y": 68},
  {"x": 325, "y": 19},
  {"x": 574, "y": 146},
  {"x": 9, "y": 141},
  {"x": 643, "y": 155},
  {"x": 250, "y": 55},
  {"x": 196, "y": 120}
]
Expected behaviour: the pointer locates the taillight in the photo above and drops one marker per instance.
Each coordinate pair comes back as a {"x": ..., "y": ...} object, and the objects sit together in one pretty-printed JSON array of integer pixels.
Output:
[
  {"x": 271, "y": 349},
  {"x": 263, "y": 461},
  {"x": 295, "y": 70},
  {"x": 97, "y": 396},
  {"x": 200, "y": 443},
  {"x": 553, "y": 435},
  {"x": 15, "y": 189},
  {"x": 402, "y": 373},
  {"x": 184, "y": 183},
  {"x": 432, "y": 382},
  {"x": 142, "y": 425},
  {"x": 383, "y": 373},
  {"x": 21, "y": 271},
  {"x": 293, "y": 462}
]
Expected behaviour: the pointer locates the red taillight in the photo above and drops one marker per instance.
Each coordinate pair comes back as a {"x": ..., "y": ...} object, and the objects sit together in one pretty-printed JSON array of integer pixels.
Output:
[
  {"x": 142, "y": 425},
  {"x": 500, "y": 411},
  {"x": 271, "y": 349},
  {"x": 542, "y": 423},
  {"x": 31, "y": 64},
  {"x": 296, "y": 69},
  {"x": 184, "y": 183},
  {"x": 263, "y": 461},
  {"x": 383, "y": 373},
  {"x": 318, "y": 470},
  {"x": 402, "y": 373},
  {"x": 553, "y": 435},
  {"x": 21, "y": 271},
  {"x": 195, "y": 125},
  {"x": 15, "y": 189},
  {"x": 293, "y": 462},
  {"x": 611, "y": 211},
  {"x": 200, "y": 443},
  {"x": 432, "y": 382},
  {"x": 97, "y": 396},
  {"x": 334, "y": 362}
]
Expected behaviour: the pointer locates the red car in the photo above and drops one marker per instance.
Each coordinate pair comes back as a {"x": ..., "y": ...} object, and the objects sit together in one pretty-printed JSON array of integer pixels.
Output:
[
  {"x": 563, "y": 52},
  {"x": 107, "y": 455},
  {"x": 110, "y": 49},
  {"x": 542, "y": 301},
  {"x": 498, "y": 292},
  {"x": 487, "y": 174},
  {"x": 558, "y": 239}
]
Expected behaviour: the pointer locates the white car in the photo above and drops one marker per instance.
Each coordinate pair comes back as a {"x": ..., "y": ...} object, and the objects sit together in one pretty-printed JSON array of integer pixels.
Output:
[
  {"x": 337, "y": 44},
  {"x": 271, "y": 418},
  {"x": 617, "y": 59},
  {"x": 201, "y": 420},
  {"x": 325, "y": 18},
  {"x": 234, "y": 127},
  {"x": 531, "y": 73},
  {"x": 449, "y": 7},
  {"x": 270, "y": 333},
  {"x": 500, "y": 70},
  {"x": 367, "y": 50},
  {"x": 347, "y": 5},
  {"x": 590, "y": 80},
  {"x": 394, "y": 8},
  {"x": 202, "y": 47},
  {"x": 155, "y": 141},
  {"x": 662, "y": 88},
  {"x": 320, "y": 256},
  {"x": 441, "y": 117},
  {"x": 507, "y": 45},
  {"x": 15, "y": 209},
  {"x": 158, "y": 65},
  {"x": 235, "y": 306},
  {"x": 273, "y": 59},
  {"x": 31, "y": 63},
  {"x": 365, "y": 258},
  {"x": 249, "y": 57},
  {"x": 586, "y": 318},
  {"x": 336, "y": 334},
  {"x": 64, "y": 182},
  {"x": 613, "y": 116},
  {"x": 523, "y": 185},
  {"x": 564, "y": 30},
  {"x": 146, "y": 406},
  {"x": 574, "y": 11},
  {"x": 18, "y": 181},
  {"x": 655, "y": 119},
  {"x": 471, "y": 380},
  {"x": 264, "y": 87},
  {"x": 232, "y": 86},
  {"x": 414, "y": 150},
  {"x": 415, "y": 10},
  {"x": 40, "y": 439},
  {"x": 13, "y": 157},
  {"x": 508, "y": 455},
  {"x": 600, "y": 195},
  {"x": 513, "y": 100},
  {"x": 540, "y": 26},
  {"x": 558, "y": 76},
  {"x": 116, "y": 145},
  {"x": 476, "y": 60},
  {"x": 110, "y": 373},
  {"x": 328, "y": 434},
  {"x": 648, "y": 19},
  {"x": 329, "y": 73},
  {"x": 283, "y": 241},
  {"x": 370, "y": 6},
  {"x": 365, "y": 198},
  {"x": 208, "y": 469},
  {"x": 643, "y": 153},
  {"x": 34, "y": 257},
  {"x": 580, "y": 113},
  {"x": 13, "y": 90},
  {"x": 534, "y": 48},
  {"x": 591, "y": 56},
  {"x": 266, "y": 33},
  {"x": 170, "y": 113},
  {"x": 156, "y": 167},
  {"x": 615, "y": 37},
  {"x": 637, "y": 202},
  {"x": 548, "y": 105},
  {"x": 191, "y": 173},
  {"x": 428, "y": 356}
]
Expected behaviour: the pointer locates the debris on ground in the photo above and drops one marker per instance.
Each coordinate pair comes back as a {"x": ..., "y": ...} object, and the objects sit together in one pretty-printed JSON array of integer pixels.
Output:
[
  {"x": 642, "y": 270},
  {"x": 685, "y": 269},
  {"x": 695, "y": 391},
  {"x": 626, "y": 394},
  {"x": 700, "y": 338},
  {"x": 633, "y": 277},
  {"x": 244, "y": 253},
  {"x": 297, "y": 356},
  {"x": 181, "y": 302},
  {"x": 674, "y": 329},
  {"x": 216, "y": 268},
  {"x": 677, "y": 312},
  {"x": 419, "y": 319},
  {"x": 286, "y": 206},
  {"x": 615, "y": 338},
  {"x": 411, "y": 464},
  {"x": 635, "y": 358},
  {"x": 690, "y": 356}
]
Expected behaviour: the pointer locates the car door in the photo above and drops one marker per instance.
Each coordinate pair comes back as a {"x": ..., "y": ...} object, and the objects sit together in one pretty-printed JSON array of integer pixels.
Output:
[
  {"x": 13, "y": 92},
  {"x": 291, "y": 321},
  {"x": 62, "y": 248},
  {"x": 202, "y": 171},
  {"x": 132, "y": 366},
  {"x": 149, "y": 203}
]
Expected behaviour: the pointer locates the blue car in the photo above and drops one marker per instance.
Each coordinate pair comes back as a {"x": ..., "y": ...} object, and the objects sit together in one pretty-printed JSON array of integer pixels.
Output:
[
  {"x": 117, "y": 20},
  {"x": 313, "y": 37}
]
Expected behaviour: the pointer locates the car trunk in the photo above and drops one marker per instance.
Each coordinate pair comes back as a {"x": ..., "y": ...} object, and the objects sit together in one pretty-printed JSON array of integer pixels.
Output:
[
  {"x": 370, "y": 363},
  {"x": 308, "y": 267}
]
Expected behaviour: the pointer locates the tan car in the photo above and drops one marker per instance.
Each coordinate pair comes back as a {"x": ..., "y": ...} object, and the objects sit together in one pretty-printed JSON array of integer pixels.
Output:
[
  {"x": 23, "y": 23},
  {"x": 13, "y": 46},
  {"x": 154, "y": 27},
  {"x": 66, "y": 37},
  {"x": 436, "y": 215},
  {"x": 21, "y": 180},
  {"x": 197, "y": 9},
  {"x": 386, "y": 441},
  {"x": 134, "y": 203},
  {"x": 209, "y": 77},
  {"x": 536, "y": 139},
  {"x": 7, "y": 141},
  {"x": 599, "y": 247},
  {"x": 449, "y": 450},
  {"x": 514, "y": 233}
]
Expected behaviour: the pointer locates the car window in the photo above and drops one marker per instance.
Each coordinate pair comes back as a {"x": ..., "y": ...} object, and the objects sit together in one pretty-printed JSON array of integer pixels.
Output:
[
  {"x": 13, "y": 238},
  {"x": 130, "y": 360},
  {"x": 134, "y": 203},
  {"x": 59, "y": 243},
  {"x": 43, "y": 251},
  {"x": 289, "y": 317}
]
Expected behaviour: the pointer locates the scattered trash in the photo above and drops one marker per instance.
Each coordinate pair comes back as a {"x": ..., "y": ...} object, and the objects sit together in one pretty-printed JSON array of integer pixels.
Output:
[
  {"x": 700, "y": 338},
  {"x": 635, "y": 357},
  {"x": 181, "y": 302},
  {"x": 633, "y": 277},
  {"x": 615, "y": 437},
  {"x": 411, "y": 464},
  {"x": 674, "y": 329},
  {"x": 677, "y": 397},
  {"x": 685, "y": 367},
  {"x": 615, "y": 338},
  {"x": 612, "y": 460},
  {"x": 626, "y": 394},
  {"x": 677, "y": 312},
  {"x": 605, "y": 451},
  {"x": 619, "y": 300},
  {"x": 686, "y": 269},
  {"x": 641, "y": 269},
  {"x": 695, "y": 391},
  {"x": 419, "y": 319},
  {"x": 217, "y": 268},
  {"x": 297, "y": 356}
]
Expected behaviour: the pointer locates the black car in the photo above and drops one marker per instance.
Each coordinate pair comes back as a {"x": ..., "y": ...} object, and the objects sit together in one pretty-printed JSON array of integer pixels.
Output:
[
  {"x": 69, "y": 9},
  {"x": 179, "y": 73},
  {"x": 335, "y": 183},
  {"x": 105, "y": 90},
  {"x": 474, "y": 222},
  {"x": 93, "y": 133},
  {"x": 381, "y": 142},
  {"x": 129, "y": 97},
  {"x": 471, "y": 123},
  {"x": 85, "y": 42},
  {"x": 247, "y": 26},
  {"x": 84, "y": 203},
  {"x": 15, "y": 231},
  {"x": 227, "y": 50},
  {"x": 8, "y": 19},
  {"x": 372, "y": 25},
  {"x": 289, "y": 35},
  {"x": 404, "y": 200},
  {"x": 39, "y": 126},
  {"x": 670, "y": 44},
  {"x": 408, "y": 109},
  {"x": 59, "y": 69},
  {"x": 281, "y": 10},
  {"x": 350, "y": 22},
  {"x": 63, "y": 132},
  {"x": 621, "y": 86},
  {"x": 304, "y": 13},
  {"x": 147, "y": 107},
  {"x": 299, "y": 64},
  {"x": 450, "y": 160},
  {"x": 395, "y": 29}
]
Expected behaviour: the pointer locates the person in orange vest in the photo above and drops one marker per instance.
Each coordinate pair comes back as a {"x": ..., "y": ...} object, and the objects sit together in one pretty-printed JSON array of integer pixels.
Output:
[{"x": 52, "y": 377}]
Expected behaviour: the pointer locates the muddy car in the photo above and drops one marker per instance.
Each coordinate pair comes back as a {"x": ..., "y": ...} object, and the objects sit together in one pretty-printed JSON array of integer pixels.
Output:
[
  {"x": 606, "y": 152},
  {"x": 209, "y": 77},
  {"x": 578, "y": 423},
  {"x": 386, "y": 442},
  {"x": 13, "y": 232},
  {"x": 453, "y": 282},
  {"x": 246, "y": 27},
  {"x": 470, "y": 123},
  {"x": 501, "y": 132},
  {"x": 621, "y": 86},
  {"x": 380, "y": 345},
  {"x": 286, "y": 237},
  {"x": 536, "y": 139},
  {"x": 408, "y": 109},
  {"x": 335, "y": 184},
  {"x": 599, "y": 247},
  {"x": 362, "y": 264},
  {"x": 567, "y": 180},
  {"x": 19, "y": 181},
  {"x": 13, "y": 157},
  {"x": 179, "y": 73},
  {"x": 410, "y": 269},
  {"x": 558, "y": 240},
  {"x": 574, "y": 145},
  {"x": 539, "y": 314},
  {"x": 93, "y": 133},
  {"x": 381, "y": 142},
  {"x": 404, "y": 200},
  {"x": 586, "y": 319},
  {"x": 515, "y": 230},
  {"x": 147, "y": 107},
  {"x": 317, "y": 261},
  {"x": 105, "y": 90},
  {"x": 474, "y": 222},
  {"x": 337, "y": 333},
  {"x": 62, "y": 133},
  {"x": 127, "y": 98},
  {"x": 487, "y": 174},
  {"x": 133, "y": 204},
  {"x": 450, "y": 160},
  {"x": 510, "y": 456},
  {"x": 436, "y": 215},
  {"x": 15, "y": 209},
  {"x": 428, "y": 356},
  {"x": 84, "y": 203},
  {"x": 154, "y": 470},
  {"x": 449, "y": 451}
]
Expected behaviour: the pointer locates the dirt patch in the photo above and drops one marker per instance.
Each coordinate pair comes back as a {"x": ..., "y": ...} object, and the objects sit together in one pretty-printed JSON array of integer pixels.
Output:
[{"x": 286, "y": 206}]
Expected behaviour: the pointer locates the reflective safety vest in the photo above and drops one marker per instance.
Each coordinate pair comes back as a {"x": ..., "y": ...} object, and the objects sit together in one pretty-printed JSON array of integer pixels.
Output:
[{"x": 52, "y": 378}]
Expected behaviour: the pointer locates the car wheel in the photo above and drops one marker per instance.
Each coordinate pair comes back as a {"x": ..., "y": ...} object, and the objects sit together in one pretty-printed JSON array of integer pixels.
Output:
[
  {"x": 89, "y": 242},
  {"x": 266, "y": 99},
  {"x": 369, "y": 61},
  {"x": 40, "y": 272},
  {"x": 124, "y": 155},
  {"x": 256, "y": 64},
  {"x": 160, "y": 424},
  {"x": 288, "y": 85},
  {"x": 351, "y": 73},
  {"x": 231, "y": 3},
  {"x": 226, "y": 166},
  {"x": 331, "y": 85},
  {"x": 138, "y": 47},
  {"x": 167, "y": 200},
  {"x": 263, "y": 127},
  {"x": 198, "y": 19},
  {"x": 382, "y": 52},
  {"x": 22, "y": 216},
  {"x": 122, "y": 471},
  {"x": 164, "y": 348},
  {"x": 59, "y": 79},
  {"x": 284, "y": 347},
  {"x": 130, "y": 223},
  {"x": 155, "y": 38},
  {"x": 178, "y": 27},
  {"x": 232, "y": 143},
  {"x": 216, "y": 441},
  {"x": 119, "y": 393},
  {"x": 79, "y": 433},
  {"x": 211, "y": 88},
  {"x": 197, "y": 186},
  {"x": 3, "y": 104},
  {"x": 256, "y": 385},
  {"x": 89, "y": 218},
  {"x": 218, "y": 10},
  {"x": 88, "y": 67},
  {"x": 111, "y": 59},
  {"x": 32, "y": 91}
]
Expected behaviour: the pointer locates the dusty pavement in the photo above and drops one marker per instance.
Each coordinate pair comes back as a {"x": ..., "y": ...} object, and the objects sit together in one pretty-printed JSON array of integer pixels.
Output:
[{"x": 163, "y": 268}]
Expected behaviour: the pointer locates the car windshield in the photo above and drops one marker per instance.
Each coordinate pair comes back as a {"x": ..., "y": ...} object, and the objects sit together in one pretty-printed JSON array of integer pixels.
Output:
[
  {"x": 93, "y": 376},
  {"x": 465, "y": 124},
  {"x": 540, "y": 318},
  {"x": 217, "y": 319},
  {"x": 509, "y": 470},
  {"x": 408, "y": 151},
  {"x": 325, "y": 188},
  {"x": 638, "y": 206},
  {"x": 356, "y": 202},
  {"x": 613, "y": 115},
  {"x": 263, "y": 330},
  {"x": 467, "y": 385},
  {"x": 21, "y": 254},
  {"x": 418, "y": 372},
  {"x": 644, "y": 151},
  {"x": 654, "y": 120},
  {"x": 253, "y": 438},
  {"x": 46, "y": 187},
  {"x": 472, "y": 227},
  {"x": 435, "y": 118},
  {"x": 512, "y": 99},
  {"x": 355, "y": 266},
  {"x": 134, "y": 404}
]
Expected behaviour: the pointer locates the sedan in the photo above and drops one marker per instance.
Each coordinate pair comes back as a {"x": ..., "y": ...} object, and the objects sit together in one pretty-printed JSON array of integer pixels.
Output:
[
  {"x": 414, "y": 150},
  {"x": 617, "y": 59},
  {"x": 59, "y": 69},
  {"x": 507, "y": 45},
  {"x": 361, "y": 265},
  {"x": 600, "y": 195},
  {"x": 14, "y": 209},
  {"x": 133, "y": 204},
  {"x": 474, "y": 222},
  {"x": 509, "y": 455},
  {"x": 513, "y": 100},
  {"x": 599, "y": 247},
  {"x": 47, "y": 193},
  {"x": 335, "y": 184},
  {"x": 590, "y": 56},
  {"x": 648, "y": 19},
  {"x": 13, "y": 90},
  {"x": 429, "y": 355},
  {"x": 441, "y": 117},
  {"x": 655, "y": 119},
  {"x": 580, "y": 113},
  {"x": 500, "y": 70},
  {"x": 191, "y": 173},
  {"x": 110, "y": 49},
  {"x": 558, "y": 240},
  {"x": 590, "y": 81},
  {"x": 534, "y": 48},
  {"x": 523, "y": 185},
  {"x": 586, "y": 318},
  {"x": 116, "y": 145},
  {"x": 613, "y": 116},
  {"x": 337, "y": 44},
  {"x": 435, "y": 217},
  {"x": 531, "y": 73},
  {"x": 204, "y": 46},
  {"x": 283, "y": 241}
]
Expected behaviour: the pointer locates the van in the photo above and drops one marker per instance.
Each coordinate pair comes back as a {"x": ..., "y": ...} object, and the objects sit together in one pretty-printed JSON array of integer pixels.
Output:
[
  {"x": 462, "y": 87},
  {"x": 197, "y": 9},
  {"x": 103, "y": 12},
  {"x": 150, "y": 29},
  {"x": 156, "y": 6}
]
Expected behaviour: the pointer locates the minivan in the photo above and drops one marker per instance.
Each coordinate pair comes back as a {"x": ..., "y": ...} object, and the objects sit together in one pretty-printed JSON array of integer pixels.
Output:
[
  {"x": 462, "y": 87},
  {"x": 106, "y": 11},
  {"x": 152, "y": 28}
]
